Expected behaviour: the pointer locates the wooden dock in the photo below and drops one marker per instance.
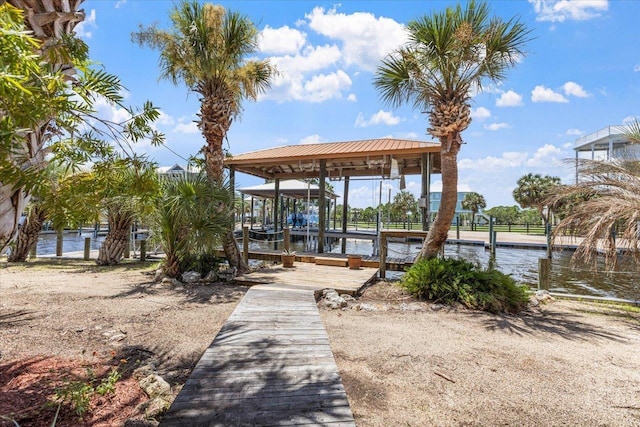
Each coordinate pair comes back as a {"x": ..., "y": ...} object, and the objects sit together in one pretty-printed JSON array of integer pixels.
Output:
[{"x": 270, "y": 365}]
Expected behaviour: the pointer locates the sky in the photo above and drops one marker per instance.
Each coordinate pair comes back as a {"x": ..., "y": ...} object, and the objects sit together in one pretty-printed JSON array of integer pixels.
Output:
[{"x": 581, "y": 73}]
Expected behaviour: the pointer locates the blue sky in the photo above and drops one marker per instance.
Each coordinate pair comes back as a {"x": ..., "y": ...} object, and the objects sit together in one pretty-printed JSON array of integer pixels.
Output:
[{"x": 581, "y": 74}]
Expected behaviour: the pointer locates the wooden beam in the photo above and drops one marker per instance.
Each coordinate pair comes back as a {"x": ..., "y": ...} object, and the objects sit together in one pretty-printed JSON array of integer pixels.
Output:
[{"x": 321, "y": 206}]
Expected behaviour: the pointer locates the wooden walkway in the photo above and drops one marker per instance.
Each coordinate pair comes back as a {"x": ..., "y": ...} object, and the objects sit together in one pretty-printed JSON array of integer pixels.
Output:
[{"x": 270, "y": 365}]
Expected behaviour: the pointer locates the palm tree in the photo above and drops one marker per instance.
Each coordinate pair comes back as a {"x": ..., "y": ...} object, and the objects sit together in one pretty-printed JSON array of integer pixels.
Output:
[
  {"x": 190, "y": 219},
  {"x": 532, "y": 191},
  {"x": 604, "y": 207},
  {"x": 51, "y": 22},
  {"x": 207, "y": 50},
  {"x": 473, "y": 202},
  {"x": 448, "y": 56}
]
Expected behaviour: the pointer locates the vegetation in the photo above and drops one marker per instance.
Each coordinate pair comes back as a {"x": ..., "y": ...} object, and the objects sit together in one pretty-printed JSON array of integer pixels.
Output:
[
  {"x": 49, "y": 89},
  {"x": 447, "y": 58},
  {"x": 532, "y": 191},
  {"x": 207, "y": 50},
  {"x": 607, "y": 216},
  {"x": 78, "y": 393},
  {"x": 474, "y": 202},
  {"x": 449, "y": 281},
  {"x": 190, "y": 221}
]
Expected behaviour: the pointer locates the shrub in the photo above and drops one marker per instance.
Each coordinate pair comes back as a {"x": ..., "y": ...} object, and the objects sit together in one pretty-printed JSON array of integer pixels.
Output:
[{"x": 449, "y": 280}]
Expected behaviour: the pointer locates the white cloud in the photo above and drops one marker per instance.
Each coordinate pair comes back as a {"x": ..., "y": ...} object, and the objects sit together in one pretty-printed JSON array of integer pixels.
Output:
[
  {"x": 574, "y": 89},
  {"x": 311, "y": 139},
  {"x": 509, "y": 99},
  {"x": 543, "y": 94},
  {"x": 561, "y": 10},
  {"x": 496, "y": 126},
  {"x": 165, "y": 119},
  {"x": 365, "y": 39},
  {"x": 83, "y": 29},
  {"x": 281, "y": 41},
  {"x": 188, "y": 128},
  {"x": 294, "y": 71},
  {"x": 352, "y": 97},
  {"x": 381, "y": 117},
  {"x": 546, "y": 155},
  {"x": 120, "y": 3},
  {"x": 325, "y": 86},
  {"x": 480, "y": 114},
  {"x": 636, "y": 68},
  {"x": 509, "y": 159},
  {"x": 574, "y": 132},
  {"x": 630, "y": 119}
]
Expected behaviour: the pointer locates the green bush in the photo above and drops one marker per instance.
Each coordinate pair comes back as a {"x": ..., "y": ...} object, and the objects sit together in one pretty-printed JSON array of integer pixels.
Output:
[{"x": 448, "y": 280}]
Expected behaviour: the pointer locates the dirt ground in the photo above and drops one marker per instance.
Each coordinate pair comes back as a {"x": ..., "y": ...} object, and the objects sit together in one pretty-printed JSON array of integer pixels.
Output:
[{"x": 404, "y": 363}]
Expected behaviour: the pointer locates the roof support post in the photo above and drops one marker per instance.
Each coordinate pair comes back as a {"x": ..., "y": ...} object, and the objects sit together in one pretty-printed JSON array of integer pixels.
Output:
[
  {"x": 426, "y": 189},
  {"x": 345, "y": 203},
  {"x": 276, "y": 217},
  {"x": 321, "y": 208}
]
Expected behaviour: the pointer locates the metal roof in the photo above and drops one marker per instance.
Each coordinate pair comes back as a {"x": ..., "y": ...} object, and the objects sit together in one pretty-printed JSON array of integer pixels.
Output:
[
  {"x": 289, "y": 188},
  {"x": 371, "y": 157}
]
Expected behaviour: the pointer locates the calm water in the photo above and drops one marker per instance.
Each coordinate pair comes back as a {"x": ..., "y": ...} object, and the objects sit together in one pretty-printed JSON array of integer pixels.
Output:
[{"x": 522, "y": 264}]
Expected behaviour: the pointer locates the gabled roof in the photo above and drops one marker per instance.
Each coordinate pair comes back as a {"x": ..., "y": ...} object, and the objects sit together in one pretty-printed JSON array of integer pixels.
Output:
[{"x": 371, "y": 157}]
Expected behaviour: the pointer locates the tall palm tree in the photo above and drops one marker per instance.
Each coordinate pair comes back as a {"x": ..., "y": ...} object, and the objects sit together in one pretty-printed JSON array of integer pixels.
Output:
[
  {"x": 207, "y": 50},
  {"x": 448, "y": 56},
  {"x": 473, "y": 202},
  {"x": 604, "y": 207},
  {"x": 50, "y": 21}
]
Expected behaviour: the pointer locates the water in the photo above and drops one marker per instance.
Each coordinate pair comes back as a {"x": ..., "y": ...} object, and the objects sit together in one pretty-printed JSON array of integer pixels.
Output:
[{"x": 521, "y": 264}]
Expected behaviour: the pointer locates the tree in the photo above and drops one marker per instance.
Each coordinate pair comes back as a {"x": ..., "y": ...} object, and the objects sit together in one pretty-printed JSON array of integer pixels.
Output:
[
  {"x": 30, "y": 94},
  {"x": 190, "y": 219},
  {"x": 404, "y": 202},
  {"x": 473, "y": 202},
  {"x": 504, "y": 214},
  {"x": 532, "y": 191},
  {"x": 207, "y": 50},
  {"x": 447, "y": 58},
  {"x": 605, "y": 205}
]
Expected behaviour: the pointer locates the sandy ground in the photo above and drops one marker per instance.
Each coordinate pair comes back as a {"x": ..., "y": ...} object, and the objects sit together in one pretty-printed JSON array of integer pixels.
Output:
[{"x": 407, "y": 363}]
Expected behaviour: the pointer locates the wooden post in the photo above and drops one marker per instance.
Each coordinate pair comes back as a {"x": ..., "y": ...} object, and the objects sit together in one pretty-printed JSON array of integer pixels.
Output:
[
  {"x": 490, "y": 231},
  {"x": 87, "y": 248},
  {"x": 59, "y": 242},
  {"x": 321, "y": 205},
  {"x": 458, "y": 227},
  {"x": 345, "y": 199},
  {"x": 494, "y": 237},
  {"x": 286, "y": 232},
  {"x": 32, "y": 252},
  {"x": 548, "y": 233},
  {"x": 544, "y": 273},
  {"x": 143, "y": 250},
  {"x": 245, "y": 244},
  {"x": 276, "y": 213},
  {"x": 383, "y": 255}
]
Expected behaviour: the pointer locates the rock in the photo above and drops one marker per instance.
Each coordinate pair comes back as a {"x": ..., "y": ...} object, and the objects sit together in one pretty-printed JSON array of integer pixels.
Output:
[
  {"x": 154, "y": 407},
  {"x": 413, "y": 306},
  {"x": 159, "y": 275},
  {"x": 155, "y": 386},
  {"x": 333, "y": 300},
  {"x": 140, "y": 422},
  {"x": 143, "y": 372},
  {"x": 211, "y": 276},
  {"x": 543, "y": 296},
  {"x": 191, "y": 276},
  {"x": 364, "y": 307},
  {"x": 227, "y": 274},
  {"x": 171, "y": 281},
  {"x": 347, "y": 297},
  {"x": 331, "y": 304},
  {"x": 118, "y": 337}
]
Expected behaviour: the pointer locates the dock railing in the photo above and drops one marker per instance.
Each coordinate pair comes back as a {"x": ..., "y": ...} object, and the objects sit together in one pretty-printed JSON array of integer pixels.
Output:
[{"x": 384, "y": 235}]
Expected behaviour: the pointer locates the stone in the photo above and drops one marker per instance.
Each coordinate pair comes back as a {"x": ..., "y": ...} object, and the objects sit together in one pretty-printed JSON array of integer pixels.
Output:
[
  {"x": 227, "y": 274},
  {"x": 211, "y": 276},
  {"x": 191, "y": 276},
  {"x": 154, "y": 407},
  {"x": 140, "y": 422},
  {"x": 171, "y": 281},
  {"x": 347, "y": 297},
  {"x": 159, "y": 275},
  {"x": 118, "y": 337},
  {"x": 364, "y": 307},
  {"x": 154, "y": 385}
]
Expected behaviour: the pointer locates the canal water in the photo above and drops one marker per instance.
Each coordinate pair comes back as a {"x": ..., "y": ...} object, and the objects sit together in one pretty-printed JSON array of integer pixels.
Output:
[{"x": 521, "y": 264}]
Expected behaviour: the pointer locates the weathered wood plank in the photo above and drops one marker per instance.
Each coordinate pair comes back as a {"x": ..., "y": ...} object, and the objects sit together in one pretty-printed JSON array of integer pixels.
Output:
[{"x": 270, "y": 364}]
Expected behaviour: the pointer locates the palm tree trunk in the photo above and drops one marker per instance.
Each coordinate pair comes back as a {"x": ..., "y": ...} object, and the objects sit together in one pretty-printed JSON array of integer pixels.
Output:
[
  {"x": 112, "y": 249},
  {"x": 28, "y": 235},
  {"x": 12, "y": 203},
  {"x": 440, "y": 228}
]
